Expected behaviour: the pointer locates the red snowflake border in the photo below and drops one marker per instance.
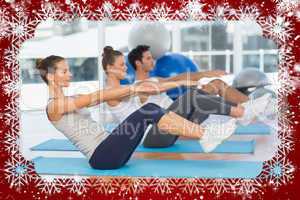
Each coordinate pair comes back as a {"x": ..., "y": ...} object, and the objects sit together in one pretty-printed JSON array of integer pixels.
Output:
[{"x": 280, "y": 21}]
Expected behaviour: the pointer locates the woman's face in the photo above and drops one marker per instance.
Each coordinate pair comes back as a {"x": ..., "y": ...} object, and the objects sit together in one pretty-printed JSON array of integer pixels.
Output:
[
  {"x": 62, "y": 74},
  {"x": 118, "y": 69}
]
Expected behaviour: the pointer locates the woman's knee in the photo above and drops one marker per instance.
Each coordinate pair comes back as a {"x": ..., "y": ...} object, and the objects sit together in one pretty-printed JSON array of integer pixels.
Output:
[{"x": 153, "y": 111}]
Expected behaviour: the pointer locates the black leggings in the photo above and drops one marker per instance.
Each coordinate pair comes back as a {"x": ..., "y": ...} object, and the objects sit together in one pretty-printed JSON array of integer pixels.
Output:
[
  {"x": 194, "y": 105},
  {"x": 118, "y": 147}
]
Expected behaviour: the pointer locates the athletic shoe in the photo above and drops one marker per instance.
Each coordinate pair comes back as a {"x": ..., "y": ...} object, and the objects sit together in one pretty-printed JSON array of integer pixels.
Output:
[
  {"x": 215, "y": 134},
  {"x": 254, "y": 108}
]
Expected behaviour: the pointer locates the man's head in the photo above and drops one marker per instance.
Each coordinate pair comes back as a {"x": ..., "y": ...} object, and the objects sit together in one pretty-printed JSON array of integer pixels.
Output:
[{"x": 141, "y": 58}]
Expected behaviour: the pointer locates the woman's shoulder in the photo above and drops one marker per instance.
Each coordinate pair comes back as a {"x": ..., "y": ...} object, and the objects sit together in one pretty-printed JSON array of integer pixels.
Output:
[
  {"x": 52, "y": 108},
  {"x": 51, "y": 111}
]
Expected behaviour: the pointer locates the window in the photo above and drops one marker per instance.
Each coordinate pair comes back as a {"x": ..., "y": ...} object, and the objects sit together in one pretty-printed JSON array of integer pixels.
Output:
[
  {"x": 82, "y": 69},
  {"x": 220, "y": 38},
  {"x": 254, "y": 42},
  {"x": 270, "y": 63},
  {"x": 223, "y": 45},
  {"x": 195, "y": 37},
  {"x": 202, "y": 62},
  {"x": 218, "y": 62},
  {"x": 251, "y": 61}
]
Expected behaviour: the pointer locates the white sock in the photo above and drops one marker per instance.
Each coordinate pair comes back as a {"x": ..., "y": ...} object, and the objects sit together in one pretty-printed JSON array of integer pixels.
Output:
[
  {"x": 215, "y": 134},
  {"x": 270, "y": 113},
  {"x": 254, "y": 108}
]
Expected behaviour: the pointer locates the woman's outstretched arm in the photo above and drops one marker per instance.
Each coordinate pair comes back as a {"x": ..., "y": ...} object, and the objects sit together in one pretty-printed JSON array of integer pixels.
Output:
[
  {"x": 164, "y": 86},
  {"x": 67, "y": 104}
]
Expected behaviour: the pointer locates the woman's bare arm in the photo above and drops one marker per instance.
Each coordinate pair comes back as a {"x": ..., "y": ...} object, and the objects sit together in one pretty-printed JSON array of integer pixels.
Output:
[
  {"x": 67, "y": 104},
  {"x": 164, "y": 86}
]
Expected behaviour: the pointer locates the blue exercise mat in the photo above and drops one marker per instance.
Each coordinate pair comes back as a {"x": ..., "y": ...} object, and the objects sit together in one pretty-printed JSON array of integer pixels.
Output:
[
  {"x": 152, "y": 168},
  {"x": 251, "y": 129},
  {"x": 181, "y": 146}
]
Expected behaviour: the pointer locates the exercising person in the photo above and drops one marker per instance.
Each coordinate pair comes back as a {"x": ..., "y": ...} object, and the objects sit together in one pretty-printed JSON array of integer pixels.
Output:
[
  {"x": 142, "y": 61},
  {"x": 69, "y": 115},
  {"x": 204, "y": 99},
  {"x": 195, "y": 105}
]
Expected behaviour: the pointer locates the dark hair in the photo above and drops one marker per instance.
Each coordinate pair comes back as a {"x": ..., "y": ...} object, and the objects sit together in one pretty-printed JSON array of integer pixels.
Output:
[
  {"x": 137, "y": 54},
  {"x": 109, "y": 56},
  {"x": 47, "y": 65}
]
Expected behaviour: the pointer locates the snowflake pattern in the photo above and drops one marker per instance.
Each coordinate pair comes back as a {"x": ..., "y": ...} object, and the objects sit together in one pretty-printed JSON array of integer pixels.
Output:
[
  {"x": 286, "y": 139},
  {"x": 4, "y": 21},
  {"x": 11, "y": 86},
  {"x": 285, "y": 84},
  {"x": 219, "y": 186},
  {"x": 51, "y": 10},
  {"x": 278, "y": 171},
  {"x": 11, "y": 143},
  {"x": 4, "y": 76},
  {"x": 247, "y": 187},
  {"x": 108, "y": 9},
  {"x": 21, "y": 27},
  {"x": 133, "y": 185},
  {"x": 18, "y": 171},
  {"x": 193, "y": 9},
  {"x": 49, "y": 185},
  {"x": 77, "y": 185},
  {"x": 248, "y": 13},
  {"x": 11, "y": 54},
  {"x": 134, "y": 12},
  {"x": 286, "y": 57},
  {"x": 104, "y": 185},
  {"x": 120, "y": 2},
  {"x": 278, "y": 28},
  {"x": 12, "y": 110},
  {"x": 80, "y": 11},
  {"x": 220, "y": 14},
  {"x": 191, "y": 186},
  {"x": 161, "y": 13},
  {"x": 283, "y": 109},
  {"x": 286, "y": 5},
  {"x": 162, "y": 185}
]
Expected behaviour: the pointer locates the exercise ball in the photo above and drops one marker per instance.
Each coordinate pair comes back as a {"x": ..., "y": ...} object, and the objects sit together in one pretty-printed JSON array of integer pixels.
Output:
[
  {"x": 130, "y": 76},
  {"x": 172, "y": 64},
  {"x": 250, "y": 78},
  {"x": 153, "y": 34}
]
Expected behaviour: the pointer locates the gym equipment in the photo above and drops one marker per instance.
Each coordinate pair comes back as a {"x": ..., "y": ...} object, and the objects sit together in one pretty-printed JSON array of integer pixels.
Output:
[
  {"x": 173, "y": 64},
  {"x": 250, "y": 78},
  {"x": 153, "y": 34}
]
